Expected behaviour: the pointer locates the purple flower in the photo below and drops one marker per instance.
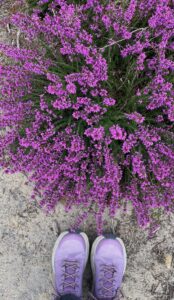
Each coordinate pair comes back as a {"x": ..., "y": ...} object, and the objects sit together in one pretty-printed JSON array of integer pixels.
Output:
[
  {"x": 96, "y": 134},
  {"x": 171, "y": 113},
  {"x": 71, "y": 88},
  {"x": 117, "y": 133},
  {"x": 135, "y": 116},
  {"x": 109, "y": 101},
  {"x": 159, "y": 119},
  {"x": 129, "y": 143},
  {"x": 138, "y": 166}
]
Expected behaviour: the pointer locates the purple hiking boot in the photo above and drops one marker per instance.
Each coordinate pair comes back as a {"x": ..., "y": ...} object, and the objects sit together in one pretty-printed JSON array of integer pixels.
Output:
[
  {"x": 108, "y": 262},
  {"x": 70, "y": 255}
]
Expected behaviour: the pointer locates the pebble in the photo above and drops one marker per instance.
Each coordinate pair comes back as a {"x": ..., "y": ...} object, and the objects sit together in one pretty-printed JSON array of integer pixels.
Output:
[{"x": 168, "y": 260}]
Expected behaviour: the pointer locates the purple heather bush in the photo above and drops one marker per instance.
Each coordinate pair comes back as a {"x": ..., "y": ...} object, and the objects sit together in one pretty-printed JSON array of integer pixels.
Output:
[{"x": 87, "y": 106}]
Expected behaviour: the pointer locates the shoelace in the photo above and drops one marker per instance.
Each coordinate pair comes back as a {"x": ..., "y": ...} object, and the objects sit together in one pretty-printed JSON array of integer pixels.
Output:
[
  {"x": 108, "y": 279},
  {"x": 71, "y": 270}
]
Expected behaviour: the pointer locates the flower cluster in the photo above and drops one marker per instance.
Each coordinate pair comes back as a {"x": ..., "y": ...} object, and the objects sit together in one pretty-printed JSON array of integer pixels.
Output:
[{"x": 87, "y": 106}]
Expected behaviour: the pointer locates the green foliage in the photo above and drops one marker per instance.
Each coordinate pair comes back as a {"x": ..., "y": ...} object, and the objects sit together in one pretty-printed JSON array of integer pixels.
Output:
[{"x": 33, "y": 4}]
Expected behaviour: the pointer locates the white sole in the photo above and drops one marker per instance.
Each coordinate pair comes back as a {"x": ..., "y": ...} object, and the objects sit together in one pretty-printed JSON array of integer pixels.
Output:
[
  {"x": 94, "y": 247},
  {"x": 60, "y": 237}
]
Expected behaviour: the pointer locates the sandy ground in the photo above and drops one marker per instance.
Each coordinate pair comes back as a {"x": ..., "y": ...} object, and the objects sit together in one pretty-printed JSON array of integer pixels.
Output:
[{"x": 27, "y": 237}]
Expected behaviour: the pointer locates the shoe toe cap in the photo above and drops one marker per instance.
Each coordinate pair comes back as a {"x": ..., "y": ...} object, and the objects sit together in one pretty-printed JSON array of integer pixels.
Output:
[{"x": 110, "y": 248}]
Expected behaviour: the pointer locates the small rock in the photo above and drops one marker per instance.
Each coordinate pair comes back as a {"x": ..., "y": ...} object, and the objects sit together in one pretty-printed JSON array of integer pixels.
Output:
[
  {"x": 44, "y": 296},
  {"x": 168, "y": 260},
  {"x": 14, "y": 221}
]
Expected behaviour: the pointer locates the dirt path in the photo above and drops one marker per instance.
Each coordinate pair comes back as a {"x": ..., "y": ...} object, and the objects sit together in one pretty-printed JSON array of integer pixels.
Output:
[{"x": 27, "y": 237}]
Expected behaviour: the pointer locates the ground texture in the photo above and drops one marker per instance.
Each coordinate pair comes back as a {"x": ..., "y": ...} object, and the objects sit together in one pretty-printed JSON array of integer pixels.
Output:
[{"x": 27, "y": 237}]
